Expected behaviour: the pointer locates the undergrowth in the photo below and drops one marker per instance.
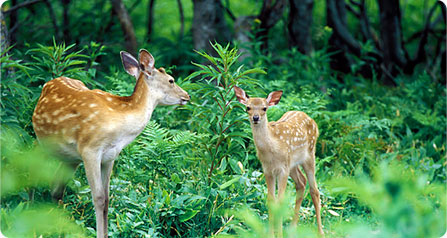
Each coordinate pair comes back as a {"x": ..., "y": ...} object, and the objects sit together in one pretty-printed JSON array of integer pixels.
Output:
[{"x": 193, "y": 172}]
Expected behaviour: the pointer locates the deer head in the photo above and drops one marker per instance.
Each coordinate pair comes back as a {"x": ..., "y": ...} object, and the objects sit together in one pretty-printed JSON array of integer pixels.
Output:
[{"x": 161, "y": 85}]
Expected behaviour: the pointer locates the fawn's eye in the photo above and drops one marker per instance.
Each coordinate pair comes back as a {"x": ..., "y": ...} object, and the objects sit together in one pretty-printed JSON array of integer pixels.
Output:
[
  {"x": 265, "y": 109},
  {"x": 248, "y": 109},
  {"x": 171, "y": 81}
]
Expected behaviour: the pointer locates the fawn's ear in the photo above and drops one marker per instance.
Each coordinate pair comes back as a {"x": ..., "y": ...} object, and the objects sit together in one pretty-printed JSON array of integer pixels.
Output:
[
  {"x": 130, "y": 64},
  {"x": 147, "y": 61},
  {"x": 242, "y": 97},
  {"x": 274, "y": 98}
]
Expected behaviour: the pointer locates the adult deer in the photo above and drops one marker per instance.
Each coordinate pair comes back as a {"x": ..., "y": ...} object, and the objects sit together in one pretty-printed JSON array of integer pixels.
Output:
[
  {"x": 283, "y": 146},
  {"x": 93, "y": 126}
]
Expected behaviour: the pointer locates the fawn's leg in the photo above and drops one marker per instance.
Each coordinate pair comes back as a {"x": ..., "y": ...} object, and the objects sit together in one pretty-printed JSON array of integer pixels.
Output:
[
  {"x": 309, "y": 169},
  {"x": 300, "y": 186},
  {"x": 282, "y": 185},
  {"x": 271, "y": 187}
]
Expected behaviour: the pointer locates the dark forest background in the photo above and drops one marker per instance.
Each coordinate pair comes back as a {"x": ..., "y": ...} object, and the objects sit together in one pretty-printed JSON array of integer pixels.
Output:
[{"x": 372, "y": 74}]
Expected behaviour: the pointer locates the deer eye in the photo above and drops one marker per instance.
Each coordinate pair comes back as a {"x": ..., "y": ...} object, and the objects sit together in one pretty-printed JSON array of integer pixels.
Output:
[
  {"x": 265, "y": 109},
  {"x": 248, "y": 109},
  {"x": 171, "y": 81}
]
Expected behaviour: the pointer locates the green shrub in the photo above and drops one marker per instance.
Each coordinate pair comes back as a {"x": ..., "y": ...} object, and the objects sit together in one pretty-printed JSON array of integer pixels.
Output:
[
  {"x": 24, "y": 170},
  {"x": 404, "y": 201}
]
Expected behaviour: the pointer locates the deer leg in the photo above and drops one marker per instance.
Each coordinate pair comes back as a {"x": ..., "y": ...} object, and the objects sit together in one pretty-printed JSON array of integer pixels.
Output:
[
  {"x": 300, "y": 186},
  {"x": 92, "y": 166},
  {"x": 282, "y": 185},
  {"x": 309, "y": 169},
  {"x": 61, "y": 178},
  {"x": 106, "y": 170},
  {"x": 271, "y": 187}
]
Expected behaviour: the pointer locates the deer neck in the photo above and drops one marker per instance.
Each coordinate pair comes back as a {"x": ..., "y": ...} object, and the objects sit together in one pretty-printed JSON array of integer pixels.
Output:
[
  {"x": 142, "y": 102},
  {"x": 261, "y": 134}
]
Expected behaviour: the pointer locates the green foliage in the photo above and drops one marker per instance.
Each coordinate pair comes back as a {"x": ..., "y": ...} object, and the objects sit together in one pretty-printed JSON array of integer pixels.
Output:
[
  {"x": 248, "y": 224},
  {"x": 25, "y": 168},
  {"x": 404, "y": 201},
  {"x": 59, "y": 60},
  {"x": 53, "y": 61},
  {"x": 193, "y": 172},
  {"x": 17, "y": 98},
  {"x": 26, "y": 171},
  {"x": 214, "y": 89},
  {"x": 23, "y": 76}
]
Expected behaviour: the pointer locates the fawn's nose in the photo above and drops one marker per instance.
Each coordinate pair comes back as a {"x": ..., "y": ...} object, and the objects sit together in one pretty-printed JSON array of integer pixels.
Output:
[{"x": 255, "y": 118}]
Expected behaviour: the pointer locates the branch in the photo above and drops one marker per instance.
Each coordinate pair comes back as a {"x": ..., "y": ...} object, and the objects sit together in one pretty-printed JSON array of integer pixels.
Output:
[
  {"x": 134, "y": 5},
  {"x": 108, "y": 27},
  {"x": 66, "y": 20},
  {"x": 420, "y": 55},
  {"x": 358, "y": 4},
  {"x": 366, "y": 27},
  {"x": 418, "y": 34},
  {"x": 230, "y": 14},
  {"x": 150, "y": 18},
  {"x": 341, "y": 30},
  {"x": 18, "y": 6},
  {"x": 226, "y": 7},
  {"x": 182, "y": 19},
  {"x": 443, "y": 10},
  {"x": 126, "y": 26},
  {"x": 353, "y": 11},
  {"x": 53, "y": 17},
  {"x": 271, "y": 14}
]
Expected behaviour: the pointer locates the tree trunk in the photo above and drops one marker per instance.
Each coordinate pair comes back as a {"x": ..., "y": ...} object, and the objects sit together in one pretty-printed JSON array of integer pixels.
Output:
[
  {"x": 209, "y": 25},
  {"x": 4, "y": 38},
  {"x": 66, "y": 21},
  {"x": 150, "y": 19},
  {"x": 242, "y": 27},
  {"x": 391, "y": 39},
  {"x": 444, "y": 56},
  {"x": 57, "y": 32},
  {"x": 336, "y": 19},
  {"x": 182, "y": 19},
  {"x": 126, "y": 26},
  {"x": 270, "y": 14},
  {"x": 12, "y": 22},
  {"x": 300, "y": 22}
]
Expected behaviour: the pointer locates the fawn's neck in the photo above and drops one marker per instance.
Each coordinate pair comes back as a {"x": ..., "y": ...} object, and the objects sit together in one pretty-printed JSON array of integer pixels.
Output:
[{"x": 261, "y": 134}]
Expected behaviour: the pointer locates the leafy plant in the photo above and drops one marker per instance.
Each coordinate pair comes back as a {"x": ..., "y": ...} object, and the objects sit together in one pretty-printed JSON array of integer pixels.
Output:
[
  {"x": 17, "y": 98},
  {"x": 215, "y": 106},
  {"x": 405, "y": 202},
  {"x": 29, "y": 168}
]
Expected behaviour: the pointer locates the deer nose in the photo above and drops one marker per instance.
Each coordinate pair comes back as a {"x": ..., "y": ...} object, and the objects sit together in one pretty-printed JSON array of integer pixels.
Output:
[
  {"x": 255, "y": 118},
  {"x": 185, "y": 98}
]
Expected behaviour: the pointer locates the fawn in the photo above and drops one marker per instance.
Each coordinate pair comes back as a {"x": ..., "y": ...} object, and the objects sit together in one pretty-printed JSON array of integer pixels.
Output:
[
  {"x": 93, "y": 126},
  {"x": 283, "y": 146}
]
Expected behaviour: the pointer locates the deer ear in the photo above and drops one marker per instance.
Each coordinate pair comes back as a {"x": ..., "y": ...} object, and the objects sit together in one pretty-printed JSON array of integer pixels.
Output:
[
  {"x": 130, "y": 64},
  {"x": 147, "y": 61},
  {"x": 274, "y": 98},
  {"x": 242, "y": 97}
]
